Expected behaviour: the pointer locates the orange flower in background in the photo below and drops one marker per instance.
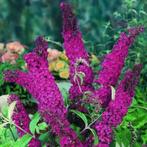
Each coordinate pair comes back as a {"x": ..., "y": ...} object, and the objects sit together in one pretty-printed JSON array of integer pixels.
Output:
[
  {"x": 15, "y": 47},
  {"x": 11, "y": 52},
  {"x": 59, "y": 65},
  {"x": 63, "y": 56},
  {"x": 53, "y": 54},
  {"x": 52, "y": 66},
  {"x": 64, "y": 74},
  {"x": 9, "y": 57}
]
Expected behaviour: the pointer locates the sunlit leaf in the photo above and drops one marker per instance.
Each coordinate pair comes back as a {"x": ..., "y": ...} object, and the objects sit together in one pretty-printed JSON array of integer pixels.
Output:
[
  {"x": 42, "y": 126},
  {"x": 11, "y": 110},
  {"x": 34, "y": 121},
  {"x": 3, "y": 124},
  {"x": 96, "y": 140},
  {"x": 3, "y": 101},
  {"x": 23, "y": 141},
  {"x": 82, "y": 116}
]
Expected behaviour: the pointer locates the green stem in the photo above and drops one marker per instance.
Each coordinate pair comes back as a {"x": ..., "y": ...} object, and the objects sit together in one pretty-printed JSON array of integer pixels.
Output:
[
  {"x": 87, "y": 127},
  {"x": 12, "y": 134},
  {"x": 54, "y": 42},
  {"x": 7, "y": 120},
  {"x": 140, "y": 107}
]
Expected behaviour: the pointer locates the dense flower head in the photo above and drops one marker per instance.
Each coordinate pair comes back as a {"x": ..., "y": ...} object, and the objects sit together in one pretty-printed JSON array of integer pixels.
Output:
[
  {"x": 118, "y": 107},
  {"x": 41, "y": 84},
  {"x": 114, "y": 61},
  {"x": 134, "y": 31},
  {"x": 41, "y": 47},
  {"x": 113, "y": 64},
  {"x": 34, "y": 62},
  {"x": 34, "y": 143},
  {"x": 102, "y": 95},
  {"x": 21, "y": 119},
  {"x": 76, "y": 92},
  {"x": 73, "y": 43},
  {"x": 128, "y": 84},
  {"x": 69, "y": 19},
  {"x": 105, "y": 132},
  {"x": 75, "y": 49},
  {"x": 102, "y": 145}
]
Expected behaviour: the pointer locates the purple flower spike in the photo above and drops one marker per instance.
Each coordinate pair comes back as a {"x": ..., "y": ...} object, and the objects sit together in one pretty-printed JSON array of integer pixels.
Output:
[
  {"x": 74, "y": 48},
  {"x": 114, "y": 61},
  {"x": 41, "y": 85},
  {"x": 113, "y": 64},
  {"x": 41, "y": 47},
  {"x": 21, "y": 119},
  {"x": 118, "y": 108}
]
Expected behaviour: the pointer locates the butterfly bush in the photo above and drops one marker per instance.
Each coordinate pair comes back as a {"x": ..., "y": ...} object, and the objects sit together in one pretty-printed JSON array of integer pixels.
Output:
[
  {"x": 40, "y": 83},
  {"x": 117, "y": 108},
  {"x": 21, "y": 119},
  {"x": 75, "y": 51},
  {"x": 113, "y": 64}
]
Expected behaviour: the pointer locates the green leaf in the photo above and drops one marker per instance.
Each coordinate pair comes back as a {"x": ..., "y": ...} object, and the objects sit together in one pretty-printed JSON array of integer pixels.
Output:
[
  {"x": 77, "y": 130},
  {"x": 82, "y": 116},
  {"x": 123, "y": 136},
  {"x": 23, "y": 141},
  {"x": 144, "y": 138},
  {"x": 64, "y": 88},
  {"x": 3, "y": 102},
  {"x": 119, "y": 145},
  {"x": 34, "y": 121},
  {"x": 3, "y": 124},
  {"x": 8, "y": 143},
  {"x": 42, "y": 126},
  {"x": 11, "y": 110},
  {"x": 96, "y": 140},
  {"x": 4, "y": 111},
  {"x": 44, "y": 137}
]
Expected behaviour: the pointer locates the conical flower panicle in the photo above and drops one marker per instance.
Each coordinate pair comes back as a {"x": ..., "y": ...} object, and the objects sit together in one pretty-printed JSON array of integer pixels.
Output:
[
  {"x": 75, "y": 51},
  {"x": 118, "y": 107},
  {"x": 41, "y": 85},
  {"x": 113, "y": 64},
  {"x": 41, "y": 47},
  {"x": 21, "y": 119}
]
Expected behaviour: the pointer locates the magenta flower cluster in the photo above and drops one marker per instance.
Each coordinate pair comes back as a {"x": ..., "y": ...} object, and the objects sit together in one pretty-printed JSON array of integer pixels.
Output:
[
  {"x": 76, "y": 52},
  {"x": 41, "y": 84},
  {"x": 117, "y": 108},
  {"x": 113, "y": 64},
  {"x": 22, "y": 120}
]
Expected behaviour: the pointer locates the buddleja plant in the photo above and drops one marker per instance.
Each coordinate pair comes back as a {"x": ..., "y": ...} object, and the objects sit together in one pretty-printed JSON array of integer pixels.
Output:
[{"x": 104, "y": 96}]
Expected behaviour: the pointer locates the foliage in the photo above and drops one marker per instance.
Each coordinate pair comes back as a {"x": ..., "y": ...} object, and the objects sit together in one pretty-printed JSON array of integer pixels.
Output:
[
  {"x": 106, "y": 18},
  {"x": 134, "y": 124}
]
